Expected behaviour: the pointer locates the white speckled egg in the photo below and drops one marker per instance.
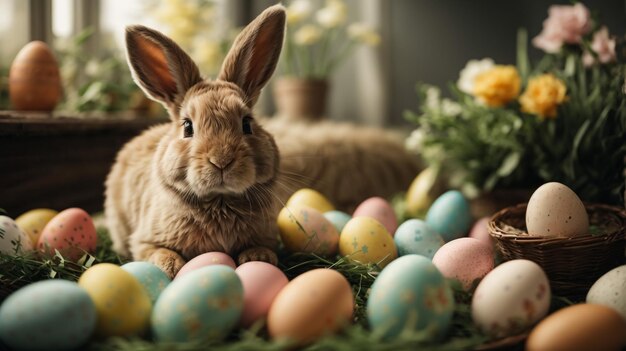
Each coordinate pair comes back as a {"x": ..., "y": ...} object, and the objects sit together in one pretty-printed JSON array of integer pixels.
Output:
[
  {"x": 153, "y": 279},
  {"x": 610, "y": 290},
  {"x": 338, "y": 219},
  {"x": 379, "y": 209},
  {"x": 465, "y": 259},
  {"x": 511, "y": 298},
  {"x": 450, "y": 215},
  {"x": 13, "y": 240},
  {"x": 555, "y": 210},
  {"x": 415, "y": 237}
]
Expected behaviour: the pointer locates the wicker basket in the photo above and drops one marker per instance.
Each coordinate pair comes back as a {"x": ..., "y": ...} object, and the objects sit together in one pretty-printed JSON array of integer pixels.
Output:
[{"x": 572, "y": 264}]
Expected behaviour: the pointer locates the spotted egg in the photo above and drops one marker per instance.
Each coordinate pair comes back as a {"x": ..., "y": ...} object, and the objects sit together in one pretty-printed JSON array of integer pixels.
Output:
[
  {"x": 305, "y": 229},
  {"x": 71, "y": 232},
  {"x": 465, "y": 259},
  {"x": 13, "y": 240},
  {"x": 367, "y": 241},
  {"x": 415, "y": 237}
]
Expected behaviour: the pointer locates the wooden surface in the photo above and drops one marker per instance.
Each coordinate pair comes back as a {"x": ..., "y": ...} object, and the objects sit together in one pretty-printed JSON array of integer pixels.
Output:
[{"x": 59, "y": 162}]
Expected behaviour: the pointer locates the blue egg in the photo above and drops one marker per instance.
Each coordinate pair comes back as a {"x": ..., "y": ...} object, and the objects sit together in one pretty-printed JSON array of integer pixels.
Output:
[
  {"x": 151, "y": 277},
  {"x": 338, "y": 219},
  {"x": 450, "y": 215},
  {"x": 410, "y": 295},
  {"x": 202, "y": 305},
  {"x": 47, "y": 315},
  {"x": 415, "y": 237}
]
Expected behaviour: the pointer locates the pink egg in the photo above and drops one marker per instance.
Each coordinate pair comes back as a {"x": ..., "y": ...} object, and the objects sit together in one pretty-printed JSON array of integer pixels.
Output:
[
  {"x": 464, "y": 259},
  {"x": 206, "y": 259},
  {"x": 379, "y": 209},
  {"x": 261, "y": 283},
  {"x": 71, "y": 232},
  {"x": 480, "y": 231}
]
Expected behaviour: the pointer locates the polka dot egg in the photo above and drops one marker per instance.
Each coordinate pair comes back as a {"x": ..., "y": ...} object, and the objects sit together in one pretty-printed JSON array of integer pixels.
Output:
[
  {"x": 465, "y": 259},
  {"x": 151, "y": 277},
  {"x": 12, "y": 239},
  {"x": 305, "y": 229},
  {"x": 366, "y": 240},
  {"x": 415, "y": 237},
  {"x": 71, "y": 232}
]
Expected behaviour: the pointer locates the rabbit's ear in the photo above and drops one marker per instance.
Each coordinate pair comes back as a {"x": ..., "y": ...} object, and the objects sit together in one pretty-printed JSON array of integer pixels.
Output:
[
  {"x": 254, "y": 55},
  {"x": 159, "y": 66}
]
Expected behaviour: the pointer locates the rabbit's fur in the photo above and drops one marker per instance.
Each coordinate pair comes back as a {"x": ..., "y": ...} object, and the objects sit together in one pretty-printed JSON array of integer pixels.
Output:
[{"x": 171, "y": 196}]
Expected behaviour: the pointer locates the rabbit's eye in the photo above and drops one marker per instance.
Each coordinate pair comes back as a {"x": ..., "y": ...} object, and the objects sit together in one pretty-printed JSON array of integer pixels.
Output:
[
  {"x": 188, "y": 128},
  {"x": 247, "y": 128}
]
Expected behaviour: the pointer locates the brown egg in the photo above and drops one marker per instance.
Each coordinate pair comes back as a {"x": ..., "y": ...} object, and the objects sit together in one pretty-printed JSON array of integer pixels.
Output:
[
  {"x": 578, "y": 328},
  {"x": 34, "y": 79}
]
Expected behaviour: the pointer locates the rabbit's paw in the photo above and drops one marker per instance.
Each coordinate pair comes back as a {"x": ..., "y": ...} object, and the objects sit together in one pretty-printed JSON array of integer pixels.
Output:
[
  {"x": 258, "y": 253},
  {"x": 168, "y": 261}
]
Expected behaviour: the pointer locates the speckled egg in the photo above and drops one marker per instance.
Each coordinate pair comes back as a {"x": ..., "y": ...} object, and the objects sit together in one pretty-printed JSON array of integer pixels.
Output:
[
  {"x": 337, "y": 219},
  {"x": 71, "y": 232},
  {"x": 203, "y": 305},
  {"x": 13, "y": 240},
  {"x": 480, "y": 232},
  {"x": 410, "y": 295},
  {"x": 366, "y": 240},
  {"x": 122, "y": 303},
  {"x": 610, "y": 290},
  {"x": 310, "y": 198},
  {"x": 450, "y": 215},
  {"x": 465, "y": 259},
  {"x": 151, "y": 277},
  {"x": 555, "y": 210},
  {"x": 33, "y": 222},
  {"x": 304, "y": 229},
  {"x": 316, "y": 303},
  {"x": 379, "y": 209},
  {"x": 261, "y": 283},
  {"x": 415, "y": 237},
  {"x": 423, "y": 191},
  {"x": 206, "y": 259},
  {"x": 47, "y": 315},
  {"x": 511, "y": 298}
]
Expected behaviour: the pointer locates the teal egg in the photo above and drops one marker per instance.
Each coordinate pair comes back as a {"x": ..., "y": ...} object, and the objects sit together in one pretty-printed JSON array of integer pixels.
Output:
[
  {"x": 47, "y": 315},
  {"x": 338, "y": 219},
  {"x": 151, "y": 277},
  {"x": 450, "y": 215},
  {"x": 415, "y": 237},
  {"x": 410, "y": 295},
  {"x": 204, "y": 305}
]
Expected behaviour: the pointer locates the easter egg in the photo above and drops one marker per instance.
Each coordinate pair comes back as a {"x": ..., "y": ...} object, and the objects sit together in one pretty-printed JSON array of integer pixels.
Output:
[
  {"x": 310, "y": 198},
  {"x": 450, "y": 215},
  {"x": 379, "y": 209},
  {"x": 304, "y": 229},
  {"x": 511, "y": 298},
  {"x": 365, "y": 240},
  {"x": 206, "y": 259},
  {"x": 151, "y": 277},
  {"x": 423, "y": 191},
  {"x": 33, "y": 222},
  {"x": 34, "y": 79},
  {"x": 480, "y": 231},
  {"x": 415, "y": 237},
  {"x": 13, "y": 240},
  {"x": 337, "y": 219},
  {"x": 316, "y": 303},
  {"x": 261, "y": 283},
  {"x": 554, "y": 210},
  {"x": 410, "y": 295},
  {"x": 71, "y": 232},
  {"x": 203, "y": 305},
  {"x": 610, "y": 290},
  {"x": 465, "y": 259},
  {"x": 122, "y": 303},
  {"x": 47, "y": 315}
]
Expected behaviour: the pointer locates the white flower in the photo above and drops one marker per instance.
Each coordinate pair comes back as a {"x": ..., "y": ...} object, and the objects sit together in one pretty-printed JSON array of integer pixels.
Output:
[
  {"x": 307, "y": 35},
  {"x": 414, "y": 141},
  {"x": 93, "y": 68},
  {"x": 333, "y": 14},
  {"x": 432, "y": 98},
  {"x": 450, "y": 107},
  {"x": 298, "y": 11},
  {"x": 363, "y": 33},
  {"x": 469, "y": 73}
]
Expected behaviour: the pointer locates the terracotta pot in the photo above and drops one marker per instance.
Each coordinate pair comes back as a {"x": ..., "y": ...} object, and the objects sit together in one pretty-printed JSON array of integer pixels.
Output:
[
  {"x": 488, "y": 204},
  {"x": 301, "y": 99}
]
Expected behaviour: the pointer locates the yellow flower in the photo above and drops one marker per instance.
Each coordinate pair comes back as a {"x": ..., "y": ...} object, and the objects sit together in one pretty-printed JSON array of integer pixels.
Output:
[
  {"x": 543, "y": 95},
  {"x": 497, "y": 86},
  {"x": 307, "y": 35}
]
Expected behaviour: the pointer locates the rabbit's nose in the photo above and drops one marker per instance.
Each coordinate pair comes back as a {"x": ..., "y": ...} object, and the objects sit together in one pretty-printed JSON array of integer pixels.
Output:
[{"x": 221, "y": 163}]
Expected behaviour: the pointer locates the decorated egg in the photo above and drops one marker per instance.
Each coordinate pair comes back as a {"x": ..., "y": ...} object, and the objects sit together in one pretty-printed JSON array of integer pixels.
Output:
[
  {"x": 122, "y": 304},
  {"x": 47, "y": 315},
  {"x": 410, "y": 295},
  {"x": 310, "y": 198},
  {"x": 610, "y": 290},
  {"x": 33, "y": 222},
  {"x": 204, "y": 304},
  {"x": 337, "y": 219},
  {"x": 316, "y": 303},
  {"x": 450, "y": 215},
  {"x": 305, "y": 229},
  {"x": 555, "y": 210},
  {"x": 379, "y": 209},
  {"x": 511, "y": 298},
  {"x": 34, "y": 79},
  {"x": 71, "y": 232},
  {"x": 423, "y": 191},
  {"x": 206, "y": 259},
  {"x": 480, "y": 231},
  {"x": 151, "y": 277},
  {"x": 365, "y": 240},
  {"x": 465, "y": 259},
  {"x": 261, "y": 283},
  {"x": 415, "y": 237},
  {"x": 13, "y": 240}
]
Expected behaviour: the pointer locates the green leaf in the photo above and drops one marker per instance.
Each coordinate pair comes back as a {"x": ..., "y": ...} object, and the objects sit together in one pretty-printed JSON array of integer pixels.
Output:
[{"x": 509, "y": 164}]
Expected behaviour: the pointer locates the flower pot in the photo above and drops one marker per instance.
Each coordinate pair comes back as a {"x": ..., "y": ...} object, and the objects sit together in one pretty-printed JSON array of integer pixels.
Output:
[{"x": 300, "y": 99}]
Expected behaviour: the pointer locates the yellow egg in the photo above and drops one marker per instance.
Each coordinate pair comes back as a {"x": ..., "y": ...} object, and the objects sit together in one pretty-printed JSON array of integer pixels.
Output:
[
  {"x": 304, "y": 229},
  {"x": 310, "y": 198},
  {"x": 33, "y": 222},
  {"x": 424, "y": 189},
  {"x": 122, "y": 304},
  {"x": 366, "y": 240}
]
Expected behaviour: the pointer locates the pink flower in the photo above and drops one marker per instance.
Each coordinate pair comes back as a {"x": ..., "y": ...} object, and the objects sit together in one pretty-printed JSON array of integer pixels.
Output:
[
  {"x": 566, "y": 24},
  {"x": 603, "y": 46}
]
